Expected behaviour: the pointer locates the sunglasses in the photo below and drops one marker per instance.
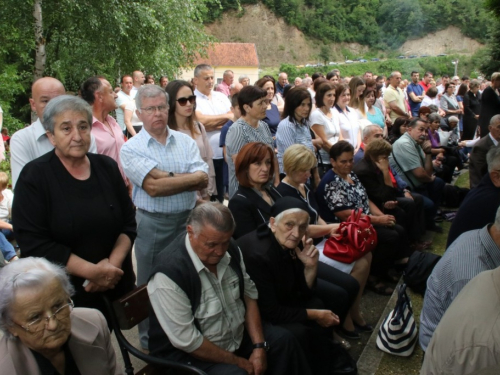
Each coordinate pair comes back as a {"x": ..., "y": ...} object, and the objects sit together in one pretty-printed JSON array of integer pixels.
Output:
[{"x": 183, "y": 101}]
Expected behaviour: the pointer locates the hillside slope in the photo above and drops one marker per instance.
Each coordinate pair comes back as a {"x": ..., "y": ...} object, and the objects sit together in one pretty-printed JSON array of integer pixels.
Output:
[{"x": 277, "y": 42}]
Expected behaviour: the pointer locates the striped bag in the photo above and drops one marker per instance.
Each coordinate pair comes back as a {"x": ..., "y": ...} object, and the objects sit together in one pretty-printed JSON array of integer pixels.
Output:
[{"x": 398, "y": 332}]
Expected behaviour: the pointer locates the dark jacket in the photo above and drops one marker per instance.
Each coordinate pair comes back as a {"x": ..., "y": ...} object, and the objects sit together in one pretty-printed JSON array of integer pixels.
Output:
[
  {"x": 490, "y": 106},
  {"x": 250, "y": 210},
  {"x": 373, "y": 181},
  {"x": 279, "y": 278},
  {"x": 477, "y": 161}
]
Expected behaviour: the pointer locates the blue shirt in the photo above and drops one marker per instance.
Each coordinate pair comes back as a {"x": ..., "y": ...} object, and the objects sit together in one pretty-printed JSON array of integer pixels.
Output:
[
  {"x": 417, "y": 90},
  {"x": 272, "y": 119},
  {"x": 289, "y": 133},
  {"x": 223, "y": 133},
  {"x": 143, "y": 153}
]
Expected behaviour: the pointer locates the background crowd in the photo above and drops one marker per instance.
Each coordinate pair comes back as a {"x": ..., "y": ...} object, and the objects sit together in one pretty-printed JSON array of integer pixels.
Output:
[{"x": 240, "y": 287}]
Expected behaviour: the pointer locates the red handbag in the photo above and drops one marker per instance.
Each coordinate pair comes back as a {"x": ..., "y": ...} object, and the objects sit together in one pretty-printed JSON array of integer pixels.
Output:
[{"x": 356, "y": 238}]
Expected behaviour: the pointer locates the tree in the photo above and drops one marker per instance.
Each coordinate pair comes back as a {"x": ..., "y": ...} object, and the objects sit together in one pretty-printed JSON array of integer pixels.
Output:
[
  {"x": 492, "y": 64},
  {"x": 324, "y": 54}
]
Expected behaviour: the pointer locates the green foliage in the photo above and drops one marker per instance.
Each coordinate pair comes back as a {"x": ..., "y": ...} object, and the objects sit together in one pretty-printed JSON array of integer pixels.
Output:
[
  {"x": 324, "y": 54},
  {"x": 377, "y": 23},
  {"x": 110, "y": 38},
  {"x": 10, "y": 88},
  {"x": 491, "y": 61},
  {"x": 437, "y": 65}
]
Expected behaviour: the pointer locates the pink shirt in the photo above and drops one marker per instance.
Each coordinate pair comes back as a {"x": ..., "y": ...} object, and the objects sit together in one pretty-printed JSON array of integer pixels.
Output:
[
  {"x": 109, "y": 141},
  {"x": 223, "y": 87}
]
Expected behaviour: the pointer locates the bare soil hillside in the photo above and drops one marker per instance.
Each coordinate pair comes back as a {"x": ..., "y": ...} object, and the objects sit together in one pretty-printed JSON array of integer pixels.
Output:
[
  {"x": 279, "y": 43},
  {"x": 449, "y": 40}
]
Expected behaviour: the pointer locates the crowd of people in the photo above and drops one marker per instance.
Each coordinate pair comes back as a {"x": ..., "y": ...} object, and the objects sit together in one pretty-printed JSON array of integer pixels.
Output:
[{"x": 245, "y": 286}]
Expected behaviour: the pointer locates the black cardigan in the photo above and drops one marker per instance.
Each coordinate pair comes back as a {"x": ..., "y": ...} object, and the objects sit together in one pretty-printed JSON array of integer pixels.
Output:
[
  {"x": 280, "y": 279},
  {"x": 250, "y": 210},
  {"x": 44, "y": 224}
]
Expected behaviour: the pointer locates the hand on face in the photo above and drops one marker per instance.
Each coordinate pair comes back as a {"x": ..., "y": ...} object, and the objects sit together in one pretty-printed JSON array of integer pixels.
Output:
[{"x": 309, "y": 255}]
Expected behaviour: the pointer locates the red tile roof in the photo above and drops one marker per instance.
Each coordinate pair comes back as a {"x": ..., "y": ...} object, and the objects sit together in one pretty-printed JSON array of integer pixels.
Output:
[{"x": 230, "y": 54}]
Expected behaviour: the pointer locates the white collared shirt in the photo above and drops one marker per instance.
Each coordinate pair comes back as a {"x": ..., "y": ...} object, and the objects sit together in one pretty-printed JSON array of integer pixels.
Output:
[
  {"x": 30, "y": 143},
  {"x": 217, "y": 104}
]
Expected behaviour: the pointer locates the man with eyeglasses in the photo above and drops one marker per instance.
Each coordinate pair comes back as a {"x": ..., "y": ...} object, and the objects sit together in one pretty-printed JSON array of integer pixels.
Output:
[
  {"x": 213, "y": 110},
  {"x": 166, "y": 170}
]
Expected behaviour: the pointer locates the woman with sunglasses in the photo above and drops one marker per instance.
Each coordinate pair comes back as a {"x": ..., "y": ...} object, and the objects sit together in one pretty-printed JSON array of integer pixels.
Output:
[
  {"x": 42, "y": 332},
  {"x": 182, "y": 117}
]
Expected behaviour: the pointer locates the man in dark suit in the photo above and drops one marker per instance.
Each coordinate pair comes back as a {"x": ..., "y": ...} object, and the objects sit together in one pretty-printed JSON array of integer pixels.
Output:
[
  {"x": 478, "y": 166},
  {"x": 490, "y": 103},
  {"x": 480, "y": 205}
]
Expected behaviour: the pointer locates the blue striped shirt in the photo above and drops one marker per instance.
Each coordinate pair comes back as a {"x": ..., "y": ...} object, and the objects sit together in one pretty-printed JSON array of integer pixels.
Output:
[
  {"x": 143, "y": 153},
  {"x": 289, "y": 133},
  {"x": 471, "y": 253}
]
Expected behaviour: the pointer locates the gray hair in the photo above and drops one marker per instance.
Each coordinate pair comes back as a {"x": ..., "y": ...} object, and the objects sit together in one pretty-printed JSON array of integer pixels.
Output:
[
  {"x": 369, "y": 129},
  {"x": 433, "y": 117},
  {"x": 61, "y": 104},
  {"x": 226, "y": 72},
  {"x": 149, "y": 91},
  {"x": 473, "y": 84},
  {"x": 214, "y": 214},
  {"x": 200, "y": 68},
  {"x": 453, "y": 119},
  {"x": 393, "y": 74},
  {"x": 433, "y": 108},
  {"x": 495, "y": 119},
  {"x": 493, "y": 159},
  {"x": 27, "y": 274},
  {"x": 242, "y": 77}
]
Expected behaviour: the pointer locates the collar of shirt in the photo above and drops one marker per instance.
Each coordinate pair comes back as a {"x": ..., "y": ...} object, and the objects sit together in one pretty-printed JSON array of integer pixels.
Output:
[
  {"x": 111, "y": 121},
  {"x": 199, "y": 93},
  {"x": 149, "y": 138},
  {"x": 489, "y": 244},
  {"x": 198, "y": 265},
  {"x": 340, "y": 109},
  {"x": 38, "y": 129},
  {"x": 495, "y": 142}
]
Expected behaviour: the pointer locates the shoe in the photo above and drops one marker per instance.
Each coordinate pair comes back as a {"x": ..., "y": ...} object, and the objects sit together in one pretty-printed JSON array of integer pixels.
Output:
[
  {"x": 379, "y": 288},
  {"x": 421, "y": 245},
  {"x": 367, "y": 328},
  {"x": 349, "y": 335},
  {"x": 438, "y": 218},
  {"x": 340, "y": 341}
]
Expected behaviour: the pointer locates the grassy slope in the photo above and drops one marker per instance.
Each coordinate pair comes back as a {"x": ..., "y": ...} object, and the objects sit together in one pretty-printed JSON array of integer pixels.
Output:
[{"x": 393, "y": 365}]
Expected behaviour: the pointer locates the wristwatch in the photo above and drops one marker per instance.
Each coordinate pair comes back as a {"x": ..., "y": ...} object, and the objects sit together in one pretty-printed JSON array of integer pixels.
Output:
[
  {"x": 262, "y": 345},
  {"x": 170, "y": 174}
]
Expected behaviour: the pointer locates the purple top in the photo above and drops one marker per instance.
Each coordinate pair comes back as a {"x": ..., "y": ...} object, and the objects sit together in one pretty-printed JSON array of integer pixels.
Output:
[{"x": 435, "y": 141}]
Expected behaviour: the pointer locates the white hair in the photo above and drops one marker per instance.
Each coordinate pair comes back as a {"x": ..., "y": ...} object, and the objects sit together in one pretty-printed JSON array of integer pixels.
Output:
[{"x": 27, "y": 274}]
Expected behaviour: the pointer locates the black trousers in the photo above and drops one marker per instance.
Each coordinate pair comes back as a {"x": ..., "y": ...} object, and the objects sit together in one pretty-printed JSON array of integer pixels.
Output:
[
  {"x": 219, "y": 179},
  {"x": 392, "y": 245},
  {"x": 337, "y": 290},
  {"x": 410, "y": 215},
  {"x": 285, "y": 356}
]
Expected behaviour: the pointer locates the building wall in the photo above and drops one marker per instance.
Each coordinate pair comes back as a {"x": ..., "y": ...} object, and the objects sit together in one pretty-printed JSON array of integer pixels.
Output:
[{"x": 251, "y": 71}]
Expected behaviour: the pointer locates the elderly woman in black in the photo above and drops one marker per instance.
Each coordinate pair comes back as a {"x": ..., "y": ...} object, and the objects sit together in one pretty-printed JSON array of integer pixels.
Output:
[
  {"x": 283, "y": 264},
  {"x": 472, "y": 109},
  {"x": 339, "y": 193},
  {"x": 73, "y": 208}
]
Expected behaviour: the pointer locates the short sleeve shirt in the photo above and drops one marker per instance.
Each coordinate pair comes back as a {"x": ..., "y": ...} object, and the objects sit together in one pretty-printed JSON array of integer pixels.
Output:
[
  {"x": 330, "y": 126},
  {"x": 121, "y": 100},
  {"x": 239, "y": 134},
  {"x": 406, "y": 156},
  {"x": 417, "y": 90},
  {"x": 392, "y": 94},
  {"x": 289, "y": 133}
]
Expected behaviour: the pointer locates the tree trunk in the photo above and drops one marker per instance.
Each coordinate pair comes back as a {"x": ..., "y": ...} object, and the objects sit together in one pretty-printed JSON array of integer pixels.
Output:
[
  {"x": 39, "y": 40},
  {"x": 40, "y": 55}
]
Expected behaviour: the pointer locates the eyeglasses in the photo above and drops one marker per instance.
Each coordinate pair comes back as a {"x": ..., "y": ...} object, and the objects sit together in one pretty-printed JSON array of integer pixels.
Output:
[
  {"x": 152, "y": 110},
  {"x": 183, "y": 101},
  {"x": 40, "y": 324}
]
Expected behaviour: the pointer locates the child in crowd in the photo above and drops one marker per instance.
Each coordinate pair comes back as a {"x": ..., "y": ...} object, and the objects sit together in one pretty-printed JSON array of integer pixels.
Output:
[{"x": 6, "y": 230}]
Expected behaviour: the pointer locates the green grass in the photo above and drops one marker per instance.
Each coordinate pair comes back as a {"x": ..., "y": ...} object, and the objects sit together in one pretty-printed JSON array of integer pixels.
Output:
[{"x": 394, "y": 365}]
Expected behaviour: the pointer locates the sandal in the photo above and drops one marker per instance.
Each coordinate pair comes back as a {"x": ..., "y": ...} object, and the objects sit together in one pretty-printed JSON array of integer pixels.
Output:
[
  {"x": 349, "y": 335},
  {"x": 367, "y": 328},
  {"x": 379, "y": 288}
]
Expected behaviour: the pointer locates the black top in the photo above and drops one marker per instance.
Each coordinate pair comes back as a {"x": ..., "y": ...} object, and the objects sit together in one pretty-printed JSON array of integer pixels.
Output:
[
  {"x": 373, "y": 181},
  {"x": 478, "y": 209},
  {"x": 56, "y": 215},
  {"x": 272, "y": 119},
  {"x": 250, "y": 210},
  {"x": 490, "y": 106},
  {"x": 278, "y": 275},
  {"x": 287, "y": 190},
  {"x": 46, "y": 367}
]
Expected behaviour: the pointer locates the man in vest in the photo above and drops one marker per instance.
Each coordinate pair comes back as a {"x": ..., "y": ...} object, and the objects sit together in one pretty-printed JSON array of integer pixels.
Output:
[{"x": 205, "y": 310}]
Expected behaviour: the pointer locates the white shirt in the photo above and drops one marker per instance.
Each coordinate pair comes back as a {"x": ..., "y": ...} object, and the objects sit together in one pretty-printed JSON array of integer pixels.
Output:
[
  {"x": 330, "y": 127},
  {"x": 30, "y": 143},
  {"x": 6, "y": 204},
  {"x": 349, "y": 125},
  {"x": 133, "y": 92},
  {"x": 122, "y": 99},
  {"x": 217, "y": 104}
]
